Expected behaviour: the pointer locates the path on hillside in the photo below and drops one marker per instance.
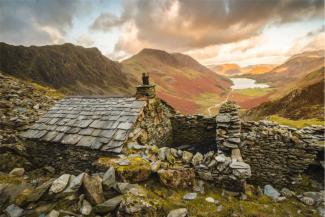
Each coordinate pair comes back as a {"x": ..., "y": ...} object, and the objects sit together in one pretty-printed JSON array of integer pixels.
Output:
[{"x": 218, "y": 104}]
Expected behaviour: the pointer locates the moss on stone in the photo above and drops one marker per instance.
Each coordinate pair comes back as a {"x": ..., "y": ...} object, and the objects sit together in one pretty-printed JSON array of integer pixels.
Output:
[
  {"x": 6, "y": 179},
  {"x": 137, "y": 171}
]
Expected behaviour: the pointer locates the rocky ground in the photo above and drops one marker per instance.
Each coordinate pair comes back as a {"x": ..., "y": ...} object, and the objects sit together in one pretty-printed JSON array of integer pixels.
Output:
[
  {"x": 21, "y": 103},
  {"x": 146, "y": 182}
]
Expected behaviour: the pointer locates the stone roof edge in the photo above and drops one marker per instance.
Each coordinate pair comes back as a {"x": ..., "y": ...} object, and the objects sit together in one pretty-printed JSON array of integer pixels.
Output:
[{"x": 96, "y": 96}]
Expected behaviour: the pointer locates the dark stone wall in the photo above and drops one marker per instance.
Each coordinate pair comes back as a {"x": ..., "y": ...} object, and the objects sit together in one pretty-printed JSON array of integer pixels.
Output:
[
  {"x": 64, "y": 158},
  {"x": 279, "y": 154},
  {"x": 197, "y": 132}
]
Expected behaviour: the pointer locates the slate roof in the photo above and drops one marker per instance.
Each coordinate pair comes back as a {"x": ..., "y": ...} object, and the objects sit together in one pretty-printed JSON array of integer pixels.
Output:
[{"x": 101, "y": 123}]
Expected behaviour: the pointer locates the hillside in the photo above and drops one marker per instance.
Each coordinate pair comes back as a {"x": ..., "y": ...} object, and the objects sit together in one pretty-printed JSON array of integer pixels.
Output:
[
  {"x": 295, "y": 68},
  {"x": 69, "y": 68},
  {"x": 230, "y": 69},
  {"x": 181, "y": 81},
  {"x": 303, "y": 99}
]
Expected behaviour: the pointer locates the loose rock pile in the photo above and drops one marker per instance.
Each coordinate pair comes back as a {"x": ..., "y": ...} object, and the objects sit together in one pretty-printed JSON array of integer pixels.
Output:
[
  {"x": 70, "y": 195},
  {"x": 21, "y": 103}
]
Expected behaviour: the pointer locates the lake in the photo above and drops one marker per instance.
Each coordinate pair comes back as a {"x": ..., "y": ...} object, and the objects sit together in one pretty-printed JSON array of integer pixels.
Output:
[{"x": 244, "y": 83}]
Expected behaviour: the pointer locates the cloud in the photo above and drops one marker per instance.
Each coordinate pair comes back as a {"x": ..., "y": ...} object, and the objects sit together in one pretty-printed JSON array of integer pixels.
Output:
[
  {"x": 36, "y": 21},
  {"x": 86, "y": 41},
  {"x": 182, "y": 25},
  {"x": 313, "y": 40}
]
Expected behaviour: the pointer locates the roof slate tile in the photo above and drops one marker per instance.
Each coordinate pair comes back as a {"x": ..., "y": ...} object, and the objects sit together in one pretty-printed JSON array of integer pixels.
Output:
[{"x": 101, "y": 123}]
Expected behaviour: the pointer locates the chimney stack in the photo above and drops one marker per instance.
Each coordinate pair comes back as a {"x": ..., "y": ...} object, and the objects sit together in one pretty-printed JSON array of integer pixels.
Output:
[{"x": 145, "y": 90}]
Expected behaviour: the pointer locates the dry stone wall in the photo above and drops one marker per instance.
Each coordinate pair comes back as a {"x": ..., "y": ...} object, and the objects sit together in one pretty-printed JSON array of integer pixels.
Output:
[
  {"x": 153, "y": 126},
  {"x": 194, "y": 132},
  {"x": 278, "y": 154},
  {"x": 228, "y": 127}
]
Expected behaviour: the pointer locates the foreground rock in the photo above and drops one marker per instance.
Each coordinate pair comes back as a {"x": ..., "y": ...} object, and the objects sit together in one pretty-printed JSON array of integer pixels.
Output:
[
  {"x": 137, "y": 170},
  {"x": 177, "y": 177},
  {"x": 182, "y": 212},
  {"x": 93, "y": 188},
  {"x": 108, "y": 205}
]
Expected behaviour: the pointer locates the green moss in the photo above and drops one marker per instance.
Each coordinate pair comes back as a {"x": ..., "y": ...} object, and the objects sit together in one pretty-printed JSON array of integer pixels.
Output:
[
  {"x": 138, "y": 170},
  {"x": 255, "y": 206},
  {"x": 6, "y": 179}
]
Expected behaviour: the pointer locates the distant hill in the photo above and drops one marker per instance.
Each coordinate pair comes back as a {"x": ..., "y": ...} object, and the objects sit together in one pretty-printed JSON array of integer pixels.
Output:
[
  {"x": 181, "y": 81},
  {"x": 69, "y": 68},
  {"x": 295, "y": 68},
  {"x": 303, "y": 99},
  {"x": 231, "y": 69}
]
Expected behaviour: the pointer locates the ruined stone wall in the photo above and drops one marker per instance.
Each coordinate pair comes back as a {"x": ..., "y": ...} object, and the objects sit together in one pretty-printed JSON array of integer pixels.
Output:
[
  {"x": 277, "y": 154},
  {"x": 153, "y": 126},
  {"x": 194, "y": 131}
]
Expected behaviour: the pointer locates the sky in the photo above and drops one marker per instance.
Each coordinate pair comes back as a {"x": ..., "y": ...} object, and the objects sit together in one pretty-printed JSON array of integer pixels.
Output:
[{"x": 245, "y": 32}]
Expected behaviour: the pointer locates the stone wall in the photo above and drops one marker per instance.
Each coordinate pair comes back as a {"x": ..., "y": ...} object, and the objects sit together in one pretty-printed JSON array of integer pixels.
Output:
[
  {"x": 194, "y": 132},
  {"x": 278, "y": 154},
  {"x": 64, "y": 158},
  {"x": 153, "y": 126},
  {"x": 228, "y": 127}
]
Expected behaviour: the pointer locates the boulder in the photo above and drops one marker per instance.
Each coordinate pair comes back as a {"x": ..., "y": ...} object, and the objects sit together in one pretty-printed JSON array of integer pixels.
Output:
[
  {"x": 108, "y": 205},
  {"x": 287, "y": 193},
  {"x": 137, "y": 171},
  {"x": 124, "y": 187},
  {"x": 14, "y": 211},
  {"x": 136, "y": 206},
  {"x": 181, "y": 212},
  {"x": 209, "y": 200},
  {"x": 223, "y": 118},
  {"x": 53, "y": 213},
  {"x": 162, "y": 153},
  {"x": 190, "y": 196},
  {"x": 75, "y": 183},
  {"x": 155, "y": 166},
  {"x": 318, "y": 197},
  {"x": 109, "y": 178},
  {"x": 93, "y": 189},
  {"x": 17, "y": 172},
  {"x": 85, "y": 208},
  {"x": 220, "y": 158},
  {"x": 197, "y": 159},
  {"x": 240, "y": 169},
  {"x": 187, "y": 156},
  {"x": 60, "y": 183},
  {"x": 271, "y": 192},
  {"x": 307, "y": 200},
  {"x": 176, "y": 178}
]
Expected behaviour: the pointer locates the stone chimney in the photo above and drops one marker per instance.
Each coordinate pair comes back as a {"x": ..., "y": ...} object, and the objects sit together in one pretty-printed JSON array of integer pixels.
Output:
[{"x": 146, "y": 89}]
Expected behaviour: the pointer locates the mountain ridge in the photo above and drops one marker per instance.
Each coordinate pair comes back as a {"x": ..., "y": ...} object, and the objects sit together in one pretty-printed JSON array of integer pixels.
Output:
[
  {"x": 69, "y": 68},
  {"x": 181, "y": 80}
]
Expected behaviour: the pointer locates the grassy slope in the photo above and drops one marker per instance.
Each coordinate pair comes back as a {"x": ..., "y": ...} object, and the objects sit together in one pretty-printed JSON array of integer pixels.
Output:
[
  {"x": 180, "y": 80},
  {"x": 69, "y": 68},
  {"x": 303, "y": 99}
]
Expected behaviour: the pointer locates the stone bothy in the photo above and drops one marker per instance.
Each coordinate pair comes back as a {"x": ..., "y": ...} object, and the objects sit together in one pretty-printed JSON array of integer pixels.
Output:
[{"x": 91, "y": 126}]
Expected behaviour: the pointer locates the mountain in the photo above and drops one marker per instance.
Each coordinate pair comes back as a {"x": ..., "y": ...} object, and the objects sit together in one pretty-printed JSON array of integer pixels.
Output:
[
  {"x": 228, "y": 69},
  {"x": 69, "y": 68},
  {"x": 181, "y": 81},
  {"x": 231, "y": 69},
  {"x": 295, "y": 68},
  {"x": 303, "y": 99}
]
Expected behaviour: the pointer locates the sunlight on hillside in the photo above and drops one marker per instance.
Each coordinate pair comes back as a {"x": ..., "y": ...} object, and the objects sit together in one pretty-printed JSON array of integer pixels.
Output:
[{"x": 296, "y": 123}]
